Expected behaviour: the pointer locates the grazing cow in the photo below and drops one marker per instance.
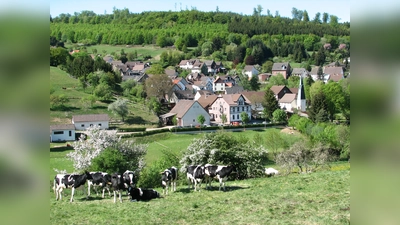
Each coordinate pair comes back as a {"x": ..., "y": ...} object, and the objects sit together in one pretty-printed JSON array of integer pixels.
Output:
[
  {"x": 100, "y": 179},
  {"x": 73, "y": 181},
  {"x": 117, "y": 185},
  {"x": 195, "y": 175},
  {"x": 271, "y": 172},
  {"x": 220, "y": 173},
  {"x": 139, "y": 194},
  {"x": 168, "y": 178}
]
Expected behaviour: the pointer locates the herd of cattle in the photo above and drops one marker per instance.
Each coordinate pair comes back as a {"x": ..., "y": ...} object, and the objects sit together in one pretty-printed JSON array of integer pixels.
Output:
[{"x": 127, "y": 181}]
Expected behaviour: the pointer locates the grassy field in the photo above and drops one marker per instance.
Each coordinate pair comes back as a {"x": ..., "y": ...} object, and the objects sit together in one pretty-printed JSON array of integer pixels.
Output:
[
  {"x": 318, "y": 198},
  {"x": 138, "y": 116},
  {"x": 322, "y": 197}
]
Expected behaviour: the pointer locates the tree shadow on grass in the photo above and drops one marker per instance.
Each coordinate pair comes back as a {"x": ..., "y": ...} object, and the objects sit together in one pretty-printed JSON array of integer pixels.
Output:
[
  {"x": 134, "y": 120},
  {"x": 63, "y": 108},
  {"x": 99, "y": 107},
  {"x": 61, "y": 149}
]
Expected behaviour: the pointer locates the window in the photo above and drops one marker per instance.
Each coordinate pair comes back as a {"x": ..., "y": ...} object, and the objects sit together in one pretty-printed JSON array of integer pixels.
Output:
[
  {"x": 233, "y": 117},
  {"x": 82, "y": 125},
  {"x": 91, "y": 125},
  {"x": 58, "y": 132},
  {"x": 99, "y": 124},
  {"x": 194, "y": 120},
  {"x": 242, "y": 108},
  {"x": 70, "y": 133}
]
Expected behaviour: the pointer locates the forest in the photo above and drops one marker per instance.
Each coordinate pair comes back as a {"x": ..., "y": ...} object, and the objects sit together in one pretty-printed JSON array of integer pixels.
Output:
[{"x": 228, "y": 34}]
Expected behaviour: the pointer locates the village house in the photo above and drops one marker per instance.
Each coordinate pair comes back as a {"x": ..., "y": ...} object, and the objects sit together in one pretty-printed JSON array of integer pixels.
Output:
[
  {"x": 300, "y": 72},
  {"x": 211, "y": 67},
  {"x": 200, "y": 81},
  {"x": 186, "y": 112},
  {"x": 231, "y": 106},
  {"x": 281, "y": 68},
  {"x": 62, "y": 132},
  {"x": 82, "y": 122},
  {"x": 280, "y": 91},
  {"x": 256, "y": 98},
  {"x": 250, "y": 71}
]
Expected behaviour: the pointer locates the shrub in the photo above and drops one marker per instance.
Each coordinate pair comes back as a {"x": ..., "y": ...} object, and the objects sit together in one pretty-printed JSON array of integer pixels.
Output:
[
  {"x": 305, "y": 157},
  {"x": 110, "y": 160},
  {"x": 150, "y": 176},
  {"x": 223, "y": 148}
]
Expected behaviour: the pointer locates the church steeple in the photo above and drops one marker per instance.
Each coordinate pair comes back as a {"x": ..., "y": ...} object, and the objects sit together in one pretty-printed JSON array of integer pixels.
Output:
[{"x": 301, "y": 97}]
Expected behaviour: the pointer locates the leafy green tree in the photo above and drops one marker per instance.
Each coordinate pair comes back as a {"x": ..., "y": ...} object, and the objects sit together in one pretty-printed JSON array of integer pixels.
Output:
[
  {"x": 267, "y": 67},
  {"x": 158, "y": 85},
  {"x": 207, "y": 48},
  {"x": 88, "y": 101},
  {"x": 58, "y": 100},
  {"x": 154, "y": 105},
  {"x": 315, "y": 88},
  {"x": 270, "y": 104},
  {"x": 305, "y": 16},
  {"x": 245, "y": 118},
  {"x": 224, "y": 118},
  {"x": 293, "y": 82},
  {"x": 58, "y": 56},
  {"x": 155, "y": 69},
  {"x": 279, "y": 116},
  {"x": 103, "y": 91},
  {"x": 110, "y": 160},
  {"x": 201, "y": 119},
  {"x": 119, "y": 107}
]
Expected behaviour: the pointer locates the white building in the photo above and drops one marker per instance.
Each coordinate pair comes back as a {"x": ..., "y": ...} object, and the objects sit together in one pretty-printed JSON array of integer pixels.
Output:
[
  {"x": 62, "y": 132},
  {"x": 250, "y": 71},
  {"x": 82, "y": 122},
  {"x": 187, "y": 113}
]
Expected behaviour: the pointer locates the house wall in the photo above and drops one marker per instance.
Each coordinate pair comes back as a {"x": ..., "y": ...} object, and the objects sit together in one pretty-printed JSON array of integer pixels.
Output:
[
  {"x": 287, "y": 106},
  {"x": 190, "y": 118},
  {"x": 219, "y": 87},
  {"x": 85, "y": 125},
  {"x": 62, "y": 135}
]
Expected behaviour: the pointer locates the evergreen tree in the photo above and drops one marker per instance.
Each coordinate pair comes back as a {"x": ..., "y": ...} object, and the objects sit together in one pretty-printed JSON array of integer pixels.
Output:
[
  {"x": 270, "y": 104},
  {"x": 318, "y": 103}
]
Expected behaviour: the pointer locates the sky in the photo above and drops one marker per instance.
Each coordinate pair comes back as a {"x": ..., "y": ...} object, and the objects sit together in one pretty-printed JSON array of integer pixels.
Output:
[{"x": 339, "y": 8}]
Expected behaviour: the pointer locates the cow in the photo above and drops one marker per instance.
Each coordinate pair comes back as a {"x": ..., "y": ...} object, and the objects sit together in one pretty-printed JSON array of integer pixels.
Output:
[
  {"x": 100, "y": 179},
  {"x": 168, "y": 178},
  {"x": 129, "y": 178},
  {"x": 195, "y": 175},
  {"x": 271, "y": 172},
  {"x": 117, "y": 185},
  {"x": 73, "y": 181},
  {"x": 220, "y": 173},
  {"x": 139, "y": 194}
]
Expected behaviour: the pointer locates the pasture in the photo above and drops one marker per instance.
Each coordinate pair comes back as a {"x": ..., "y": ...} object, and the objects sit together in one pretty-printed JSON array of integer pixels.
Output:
[{"x": 322, "y": 197}]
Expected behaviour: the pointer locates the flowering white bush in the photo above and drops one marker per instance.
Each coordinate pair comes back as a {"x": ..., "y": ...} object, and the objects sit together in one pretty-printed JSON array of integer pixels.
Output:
[
  {"x": 224, "y": 149},
  {"x": 97, "y": 140}
]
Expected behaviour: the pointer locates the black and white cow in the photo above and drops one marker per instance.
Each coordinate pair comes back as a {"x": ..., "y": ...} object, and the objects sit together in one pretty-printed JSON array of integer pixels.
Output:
[
  {"x": 195, "y": 175},
  {"x": 139, "y": 194},
  {"x": 168, "y": 178},
  {"x": 220, "y": 173},
  {"x": 118, "y": 186},
  {"x": 73, "y": 181},
  {"x": 99, "y": 179},
  {"x": 129, "y": 179}
]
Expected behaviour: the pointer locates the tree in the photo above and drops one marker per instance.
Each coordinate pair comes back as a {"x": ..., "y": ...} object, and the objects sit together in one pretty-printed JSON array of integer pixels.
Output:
[
  {"x": 274, "y": 141},
  {"x": 270, "y": 104},
  {"x": 201, "y": 120},
  {"x": 87, "y": 149},
  {"x": 224, "y": 118},
  {"x": 58, "y": 100},
  {"x": 103, "y": 91},
  {"x": 88, "y": 101},
  {"x": 320, "y": 74},
  {"x": 267, "y": 67},
  {"x": 320, "y": 57},
  {"x": 317, "y": 18},
  {"x": 155, "y": 69},
  {"x": 245, "y": 118},
  {"x": 119, "y": 107},
  {"x": 325, "y": 17},
  {"x": 315, "y": 88},
  {"x": 318, "y": 108},
  {"x": 158, "y": 85},
  {"x": 154, "y": 105},
  {"x": 254, "y": 84},
  {"x": 305, "y": 16},
  {"x": 279, "y": 116},
  {"x": 58, "y": 56}
]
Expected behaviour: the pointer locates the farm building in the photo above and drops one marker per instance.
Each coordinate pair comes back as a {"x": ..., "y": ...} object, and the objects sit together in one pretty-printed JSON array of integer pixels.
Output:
[
  {"x": 82, "y": 122},
  {"x": 62, "y": 132}
]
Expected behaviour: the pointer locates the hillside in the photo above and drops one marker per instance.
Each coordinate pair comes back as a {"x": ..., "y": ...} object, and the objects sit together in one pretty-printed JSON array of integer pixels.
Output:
[{"x": 63, "y": 84}]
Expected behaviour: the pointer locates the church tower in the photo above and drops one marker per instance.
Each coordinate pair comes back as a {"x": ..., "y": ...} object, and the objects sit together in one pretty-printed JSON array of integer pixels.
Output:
[{"x": 301, "y": 97}]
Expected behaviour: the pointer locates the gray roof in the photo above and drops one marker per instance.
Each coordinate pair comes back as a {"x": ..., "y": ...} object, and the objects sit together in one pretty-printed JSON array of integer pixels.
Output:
[
  {"x": 90, "y": 118},
  {"x": 279, "y": 66},
  {"x": 62, "y": 127},
  {"x": 299, "y": 71}
]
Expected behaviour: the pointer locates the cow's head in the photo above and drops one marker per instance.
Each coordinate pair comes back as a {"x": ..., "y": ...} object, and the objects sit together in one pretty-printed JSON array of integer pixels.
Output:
[
  {"x": 129, "y": 177},
  {"x": 166, "y": 176},
  {"x": 88, "y": 175}
]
